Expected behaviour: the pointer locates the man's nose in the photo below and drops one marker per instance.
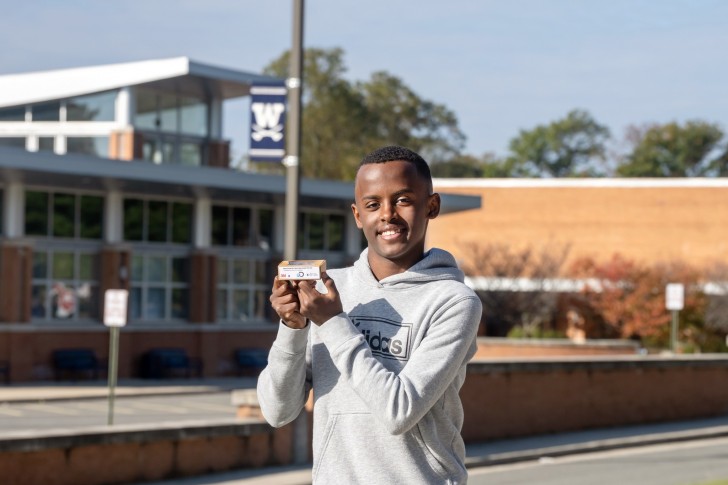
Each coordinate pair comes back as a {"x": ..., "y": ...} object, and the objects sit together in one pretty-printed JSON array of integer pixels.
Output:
[{"x": 388, "y": 212}]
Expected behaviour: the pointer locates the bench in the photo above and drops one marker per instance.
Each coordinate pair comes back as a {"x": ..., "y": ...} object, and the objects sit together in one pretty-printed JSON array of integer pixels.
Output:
[
  {"x": 250, "y": 361},
  {"x": 163, "y": 363},
  {"x": 76, "y": 362},
  {"x": 5, "y": 370}
]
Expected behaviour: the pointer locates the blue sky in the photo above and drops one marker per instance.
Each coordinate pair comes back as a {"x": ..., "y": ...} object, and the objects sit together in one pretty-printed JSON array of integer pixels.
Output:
[{"x": 501, "y": 66}]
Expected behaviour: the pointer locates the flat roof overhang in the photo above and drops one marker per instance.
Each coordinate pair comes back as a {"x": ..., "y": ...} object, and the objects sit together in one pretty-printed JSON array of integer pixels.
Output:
[
  {"x": 178, "y": 74},
  {"x": 81, "y": 172}
]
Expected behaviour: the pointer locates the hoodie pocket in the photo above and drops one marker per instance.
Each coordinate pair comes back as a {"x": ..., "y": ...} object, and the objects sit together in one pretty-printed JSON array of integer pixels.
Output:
[{"x": 355, "y": 448}]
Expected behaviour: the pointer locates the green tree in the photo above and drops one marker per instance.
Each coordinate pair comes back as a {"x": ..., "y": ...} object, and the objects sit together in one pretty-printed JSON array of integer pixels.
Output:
[
  {"x": 468, "y": 166},
  {"x": 404, "y": 118},
  {"x": 341, "y": 120},
  {"x": 694, "y": 149},
  {"x": 570, "y": 147}
]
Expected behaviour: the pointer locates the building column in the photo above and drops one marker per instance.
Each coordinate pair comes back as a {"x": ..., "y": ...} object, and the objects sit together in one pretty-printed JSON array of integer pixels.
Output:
[
  {"x": 16, "y": 258},
  {"x": 16, "y": 274},
  {"x": 203, "y": 287},
  {"x": 218, "y": 153},
  {"x": 13, "y": 216},
  {"x": 126, "y": 144},
  {"x": 203, "y": 266},
  {"x": 114, "y": 257}
]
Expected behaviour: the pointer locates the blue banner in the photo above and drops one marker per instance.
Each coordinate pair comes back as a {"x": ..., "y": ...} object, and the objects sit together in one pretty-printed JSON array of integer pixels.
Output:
[{"x": 267, "y": 122}]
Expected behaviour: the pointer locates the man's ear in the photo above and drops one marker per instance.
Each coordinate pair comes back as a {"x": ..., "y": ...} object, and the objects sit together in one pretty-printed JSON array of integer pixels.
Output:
[
  {"x": 433, "y": 206},
  {"x": 356, "y": 216}
]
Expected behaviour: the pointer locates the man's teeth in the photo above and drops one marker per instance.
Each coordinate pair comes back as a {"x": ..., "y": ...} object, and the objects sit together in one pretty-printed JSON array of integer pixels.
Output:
[{"x": 389, "y": 233}]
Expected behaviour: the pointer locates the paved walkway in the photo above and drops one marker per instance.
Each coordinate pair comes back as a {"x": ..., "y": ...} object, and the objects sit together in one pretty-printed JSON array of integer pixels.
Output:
[{"x": 495, "y": 452}]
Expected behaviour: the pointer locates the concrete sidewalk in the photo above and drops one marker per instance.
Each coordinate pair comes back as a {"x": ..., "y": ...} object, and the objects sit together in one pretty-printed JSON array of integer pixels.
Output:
[{"x": 484, "y": 454}]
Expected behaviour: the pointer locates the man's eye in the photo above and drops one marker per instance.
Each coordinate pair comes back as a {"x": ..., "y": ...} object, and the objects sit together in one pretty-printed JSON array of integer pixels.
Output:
[
  {"x": 373, "y": 205},
  {"x": 403, "y": 200}
]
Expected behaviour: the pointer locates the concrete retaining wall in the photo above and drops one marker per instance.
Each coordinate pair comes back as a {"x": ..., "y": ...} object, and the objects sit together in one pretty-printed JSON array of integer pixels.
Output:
[
  {"x": 137, "y": 453},
  {"x": 511, "y": 398},
  {"x": 503, "y": 398}
]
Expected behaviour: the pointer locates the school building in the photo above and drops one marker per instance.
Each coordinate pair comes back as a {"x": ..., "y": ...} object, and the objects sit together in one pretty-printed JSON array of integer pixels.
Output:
[
  {"x": 646, "y": 220},
  {"x": 118, "y": 176}
]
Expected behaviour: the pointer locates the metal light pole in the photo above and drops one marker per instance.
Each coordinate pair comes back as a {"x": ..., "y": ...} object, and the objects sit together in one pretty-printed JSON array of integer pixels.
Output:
[
  {"x": 293, "y": 175},
  {"x": 293, "y": 134}
]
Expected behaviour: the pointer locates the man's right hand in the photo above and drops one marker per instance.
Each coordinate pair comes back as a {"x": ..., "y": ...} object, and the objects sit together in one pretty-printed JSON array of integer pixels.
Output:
[{"x": 284, "y": 300}]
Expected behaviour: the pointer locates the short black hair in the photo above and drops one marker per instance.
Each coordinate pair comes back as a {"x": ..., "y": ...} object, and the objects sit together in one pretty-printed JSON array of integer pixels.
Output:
[{"x": 394, "y": 153}]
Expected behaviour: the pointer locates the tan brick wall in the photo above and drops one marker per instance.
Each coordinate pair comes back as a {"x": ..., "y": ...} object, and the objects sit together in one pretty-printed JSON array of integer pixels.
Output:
[
  {"x": 643, "y": 223},
  {"x": 532, "y": 397}
]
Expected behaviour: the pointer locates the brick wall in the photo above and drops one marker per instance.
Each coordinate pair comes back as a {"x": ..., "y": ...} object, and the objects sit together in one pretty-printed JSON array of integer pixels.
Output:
[
  {"x": 129, "y": 454},
  {"x": 512, "y": 398},
  {"x": 644, "y": 223}
]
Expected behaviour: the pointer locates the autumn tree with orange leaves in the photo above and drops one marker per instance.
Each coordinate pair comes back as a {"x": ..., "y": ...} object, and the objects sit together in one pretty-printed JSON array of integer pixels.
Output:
[{"x": 629, "y": 297}]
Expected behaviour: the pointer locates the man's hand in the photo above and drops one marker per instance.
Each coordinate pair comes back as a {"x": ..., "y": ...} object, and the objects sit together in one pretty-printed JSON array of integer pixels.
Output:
[
  {"x": 284, "y": 300},
  {"x": 319, "y": 307}
]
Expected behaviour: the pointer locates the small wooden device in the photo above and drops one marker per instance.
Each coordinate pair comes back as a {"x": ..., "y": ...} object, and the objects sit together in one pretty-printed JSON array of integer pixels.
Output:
[{"x": 301, "y": 269}]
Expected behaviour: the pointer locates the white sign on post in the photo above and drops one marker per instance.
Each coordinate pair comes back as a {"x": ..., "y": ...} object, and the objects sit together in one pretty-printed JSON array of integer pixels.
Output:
[
  {"x": 675, "y": 296},
  {"x": 115, "y": 302}
]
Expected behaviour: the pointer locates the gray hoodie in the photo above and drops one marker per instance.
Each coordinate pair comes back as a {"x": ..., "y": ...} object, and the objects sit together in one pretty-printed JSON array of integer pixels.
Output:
[{"x": 385, "y": 375}]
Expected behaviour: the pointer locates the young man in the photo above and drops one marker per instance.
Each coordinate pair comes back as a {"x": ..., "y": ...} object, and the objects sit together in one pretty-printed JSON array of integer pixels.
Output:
[{"x": 383, "y": 346}]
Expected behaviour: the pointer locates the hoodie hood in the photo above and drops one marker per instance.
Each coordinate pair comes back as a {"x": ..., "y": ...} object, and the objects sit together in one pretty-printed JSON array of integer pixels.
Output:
[{"x": 436, "y": 265}]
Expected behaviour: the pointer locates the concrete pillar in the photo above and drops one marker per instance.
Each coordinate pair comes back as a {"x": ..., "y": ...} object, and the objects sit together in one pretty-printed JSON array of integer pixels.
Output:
[
  {"x": 114, "y": 217},
  {"x": 202, "y": 222},
  {"x": 13, "y": 211}
]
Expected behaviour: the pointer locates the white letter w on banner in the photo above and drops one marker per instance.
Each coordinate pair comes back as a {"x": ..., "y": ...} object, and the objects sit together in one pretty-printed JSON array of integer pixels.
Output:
[{"x": 267, "y": 121}]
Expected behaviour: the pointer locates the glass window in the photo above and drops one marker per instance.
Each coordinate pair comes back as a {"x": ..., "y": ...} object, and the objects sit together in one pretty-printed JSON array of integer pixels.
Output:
[
  {"x": 335, "y": 230},
  {"x": 190, "y": 154},
  {"x": 47, "y": 111},
  {"x": 168, "y": 112},
  {"x": 241, "y": 226},
  {"x": 97, "y": 146},
  {"x": 157, "y": 226},
  {"x": 91, "y": 217},
  {"x": 36, "y": 213},
  {"x": 157, "y": 221},
  {"x": 181, "y": 223},
  {"x": 92, "y": 107},
  {"x": 219, "y": 226},
  {"x": 242, "y": 290},
  {"x": 15, "y": 142},
  {"x": 159, "y": 287},
  {"x": 133, "y": 220},
  {"x": 156, "y": 269},
  {"x": 316, "y": 231},
  {"x": 62, "y": 266},
  {"x": 180, "y": 270},
  {"x": 265, "y": 228},
  {"x": 65, "y": 285},
  {"x": 64, "y": 215},
  {"x": 193, "y": 116},
  {"x": 13, "y": 114},
  {"x": 236, "y": 226},
  {"x": 62, "y": 212},
  {"x": 146, "y": 110},
  {"x": 321, "y": 232}
]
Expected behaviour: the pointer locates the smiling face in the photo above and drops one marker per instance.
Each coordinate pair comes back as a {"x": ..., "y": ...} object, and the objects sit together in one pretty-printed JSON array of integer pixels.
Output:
[{"x": 392, "y": 206}]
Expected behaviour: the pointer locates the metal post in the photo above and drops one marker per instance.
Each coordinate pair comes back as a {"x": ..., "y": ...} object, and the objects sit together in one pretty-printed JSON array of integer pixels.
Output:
[
  {"x": 293, "y": 171},
  {"x": 673, "y": 332},
  {"x": 293, "y": 133},
  {"x": 113, "y": 360}
]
